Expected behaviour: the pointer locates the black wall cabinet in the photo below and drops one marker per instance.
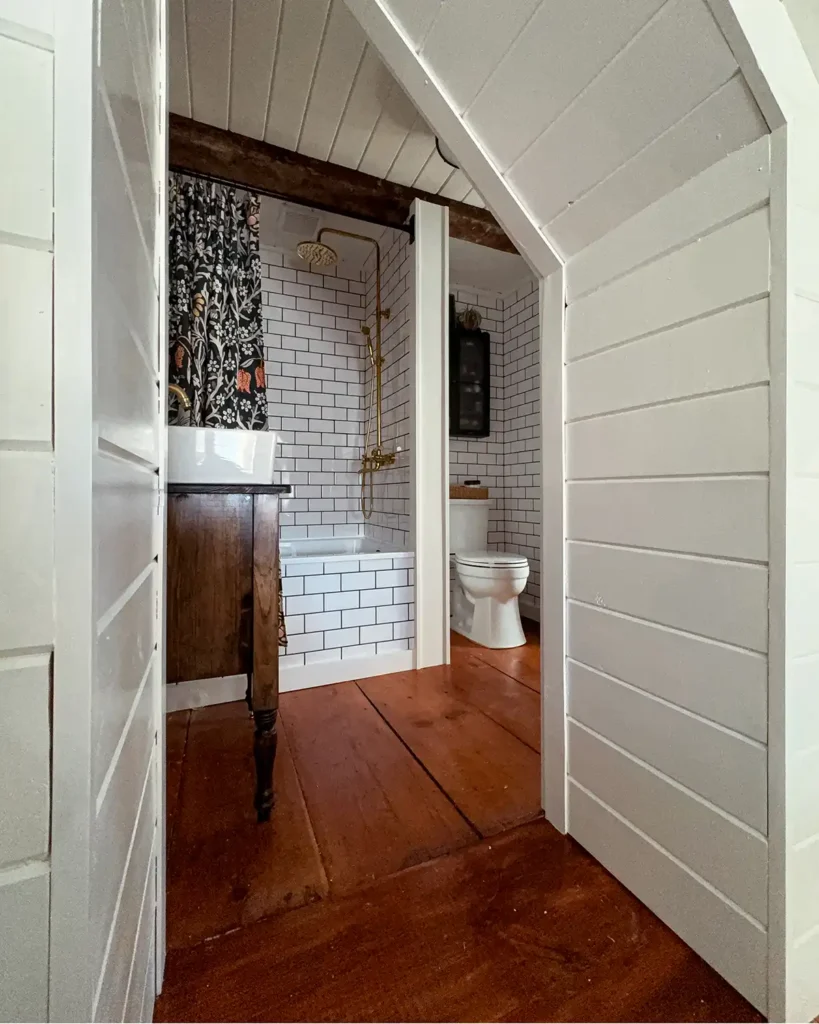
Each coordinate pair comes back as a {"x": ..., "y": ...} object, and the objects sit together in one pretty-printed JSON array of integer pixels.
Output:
[{"x": 469, "y": 403}]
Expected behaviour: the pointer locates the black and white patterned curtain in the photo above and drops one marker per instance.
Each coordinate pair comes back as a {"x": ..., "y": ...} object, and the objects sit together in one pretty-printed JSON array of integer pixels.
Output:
[{"x": 215, "y": 306}]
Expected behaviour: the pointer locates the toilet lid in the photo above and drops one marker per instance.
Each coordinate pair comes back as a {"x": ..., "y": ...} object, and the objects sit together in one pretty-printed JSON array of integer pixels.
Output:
[{"x": 490, "y": 559}]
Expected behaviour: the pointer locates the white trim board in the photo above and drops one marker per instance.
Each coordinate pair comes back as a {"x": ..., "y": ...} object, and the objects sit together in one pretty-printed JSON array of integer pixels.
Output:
[
  {"x": 325, "y": 673},
  {"x": 202, "y": 693}
]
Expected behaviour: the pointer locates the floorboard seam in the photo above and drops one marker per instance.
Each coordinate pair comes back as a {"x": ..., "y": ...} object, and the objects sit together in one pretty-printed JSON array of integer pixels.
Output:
[{"x": 418, "y": 760}]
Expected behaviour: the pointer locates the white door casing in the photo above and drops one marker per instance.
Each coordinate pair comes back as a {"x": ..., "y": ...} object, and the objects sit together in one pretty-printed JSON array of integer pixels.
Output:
[{"x": 109, "y": 534}]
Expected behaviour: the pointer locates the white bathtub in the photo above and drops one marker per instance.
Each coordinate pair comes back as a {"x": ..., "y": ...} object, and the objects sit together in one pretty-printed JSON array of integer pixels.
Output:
[{"x": 328, "y": 549}]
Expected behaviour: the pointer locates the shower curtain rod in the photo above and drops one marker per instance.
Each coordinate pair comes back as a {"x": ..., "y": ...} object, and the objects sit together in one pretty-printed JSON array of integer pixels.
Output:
[{"x": 289, "y": 199}]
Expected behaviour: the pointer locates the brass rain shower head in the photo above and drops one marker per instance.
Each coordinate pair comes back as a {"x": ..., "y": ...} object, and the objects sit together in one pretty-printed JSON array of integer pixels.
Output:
[{"x": 317, "y": 254}]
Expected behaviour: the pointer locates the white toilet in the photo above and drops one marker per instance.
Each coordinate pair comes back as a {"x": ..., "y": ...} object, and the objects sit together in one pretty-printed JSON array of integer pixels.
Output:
[{"x": 485, "y": 584}]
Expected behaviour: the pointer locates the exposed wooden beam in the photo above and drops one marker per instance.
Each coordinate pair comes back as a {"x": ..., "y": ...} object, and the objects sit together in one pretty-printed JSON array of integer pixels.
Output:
[{"x": 202, "y": 149}]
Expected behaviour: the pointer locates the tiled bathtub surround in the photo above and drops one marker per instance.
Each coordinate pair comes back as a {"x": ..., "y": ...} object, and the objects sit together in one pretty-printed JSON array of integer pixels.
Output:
[
  {"x": 390, "y": 519},
  {"x": 508, "y": 461},
  {"x": 346, "y": 608},
  {"x": 314, "y": 355}
]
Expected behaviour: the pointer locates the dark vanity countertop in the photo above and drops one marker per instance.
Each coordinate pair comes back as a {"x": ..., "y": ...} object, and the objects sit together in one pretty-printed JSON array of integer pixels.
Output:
[{"x": 229, "y": 488}]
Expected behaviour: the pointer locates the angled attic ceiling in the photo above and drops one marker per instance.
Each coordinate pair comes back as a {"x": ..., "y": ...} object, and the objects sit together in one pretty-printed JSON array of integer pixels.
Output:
[
  {"x": 301, "y": 75},
  {"x": 590, "y": 110}
]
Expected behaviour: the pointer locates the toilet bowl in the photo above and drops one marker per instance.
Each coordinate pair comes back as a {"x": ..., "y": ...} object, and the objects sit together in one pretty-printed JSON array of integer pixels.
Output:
[{"x": 485, "y": 597}]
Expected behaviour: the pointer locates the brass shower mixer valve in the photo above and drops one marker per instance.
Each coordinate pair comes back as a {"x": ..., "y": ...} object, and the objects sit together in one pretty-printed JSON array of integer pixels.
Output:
[{"x": 376, "y": 459}]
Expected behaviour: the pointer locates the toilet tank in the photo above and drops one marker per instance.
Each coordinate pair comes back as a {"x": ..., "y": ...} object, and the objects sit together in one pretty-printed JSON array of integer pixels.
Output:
[{"x": 468, "y": 524}]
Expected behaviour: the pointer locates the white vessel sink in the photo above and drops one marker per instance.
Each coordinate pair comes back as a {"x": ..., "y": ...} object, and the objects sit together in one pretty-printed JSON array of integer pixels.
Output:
[{"x": 206, "y": 455}]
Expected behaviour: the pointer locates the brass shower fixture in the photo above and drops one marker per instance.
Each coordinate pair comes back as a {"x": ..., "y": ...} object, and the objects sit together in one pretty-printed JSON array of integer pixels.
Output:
[{"x": 319, "y": 254}]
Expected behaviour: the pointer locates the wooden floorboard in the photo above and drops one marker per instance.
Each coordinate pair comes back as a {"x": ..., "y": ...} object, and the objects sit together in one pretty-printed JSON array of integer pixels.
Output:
[
  {"x": 502, "y": 698},
  {"x": 374, "y": 809},
  {"x": 491, "y": 775},
  {"x": 226, "y": 870},
  {"x": 521, "y": 663},
  {"x": 523, "y": 927}
]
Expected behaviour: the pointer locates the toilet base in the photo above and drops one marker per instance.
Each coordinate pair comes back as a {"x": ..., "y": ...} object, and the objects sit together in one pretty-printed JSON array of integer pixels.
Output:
[{"x": 488, "y": 622}]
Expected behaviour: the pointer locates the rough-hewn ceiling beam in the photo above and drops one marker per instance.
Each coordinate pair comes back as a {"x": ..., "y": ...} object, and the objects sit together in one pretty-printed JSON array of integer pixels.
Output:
[{"x": 213, "y": 152}]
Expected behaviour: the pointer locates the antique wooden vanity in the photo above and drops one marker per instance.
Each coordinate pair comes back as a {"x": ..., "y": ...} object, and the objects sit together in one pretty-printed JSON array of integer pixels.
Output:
[{"x": 223, "y": 600}]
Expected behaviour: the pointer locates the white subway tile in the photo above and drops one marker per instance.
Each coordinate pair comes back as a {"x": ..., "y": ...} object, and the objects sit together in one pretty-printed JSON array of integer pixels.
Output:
[
  {"x": 289, "y": 660},
  {"x": 328, "y": 654},
  {"x": 391, "y": 578},
  {"x": 392, "y": 645},
  {"x": 358, "y": 581},
  {"x": 373, "y": 634},
  {"x": 303, "y": 642},
  {"x": 322, "y": 584},
  {"x": 358, "y": 651},
  {"x": 342, "y": 600},
  {"x": 358, "y": 617},
  {"x": 341, "y": 637},
  {"x": 392, "y": 613},
  {"x": 304, "y": 605},
  {"x": 321, "y": 621}
]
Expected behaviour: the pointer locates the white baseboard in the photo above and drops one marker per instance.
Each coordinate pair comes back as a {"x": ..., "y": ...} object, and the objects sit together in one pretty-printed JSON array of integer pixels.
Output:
[
  {"x": 323, "y": 673},
  {"x": 200, "y": 693},
  {"x": 528, "y": 608}
]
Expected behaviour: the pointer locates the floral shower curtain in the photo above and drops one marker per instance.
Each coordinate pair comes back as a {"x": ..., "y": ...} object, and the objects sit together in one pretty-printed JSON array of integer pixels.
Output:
[{"x": 215, "y": 306}]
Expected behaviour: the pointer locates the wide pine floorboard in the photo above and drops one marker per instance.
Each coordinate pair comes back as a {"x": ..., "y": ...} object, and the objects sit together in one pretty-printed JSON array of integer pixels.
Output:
[{"x": 395, "y": 881}]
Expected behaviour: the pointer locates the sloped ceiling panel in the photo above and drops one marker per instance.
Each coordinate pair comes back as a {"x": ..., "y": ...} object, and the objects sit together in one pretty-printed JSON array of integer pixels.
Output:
[
  {"x": 301, "y": 75},
  {"x": 590, "y": 109}
]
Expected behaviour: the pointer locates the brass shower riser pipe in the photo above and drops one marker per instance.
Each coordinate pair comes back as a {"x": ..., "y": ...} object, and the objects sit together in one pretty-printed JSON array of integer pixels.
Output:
[{"x": 376, "y": 357}]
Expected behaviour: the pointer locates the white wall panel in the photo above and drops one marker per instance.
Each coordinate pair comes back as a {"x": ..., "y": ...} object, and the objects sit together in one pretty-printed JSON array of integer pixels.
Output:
[
  {"x": 255, "y": 39},
  {"x": 117, "y": 821},
  {"x": 727, "y": 939},
  {"x": 722, "y": 600},
  {"x": 26, "y": 73},
  {"x": 726, "y": 267},
  {"x": 715, "y": 353},
  {"x": 728, "y": 189},
  {"x": 24, "y": 943},
  {"x": 547, "y": 67},
  {"x": 33, "y": 14},
  {"x": 24, "y": 759},
  {"x": 726, "y": 769},
  {"x": 727, "y": 121},
  {"x": 300, "y": 34},
  {"x": 469, "y": 39},
  {"x": 120, "y": 959},
  {"x": 719, "y": 849},
  {"x": 25, "y": 339},
  {"x": 416, "y": 17},
  {"x": 723, "y": 683},
  {"x": 125, "y": 648},
  {"x": 725, "y": 433},
  {"x": 722, "y": 517},
  {"x": 335, "y": 73},
  {"x": 137, "y": 1007},
  {"x": 669, "y": 68},
  {"x": 26, "y": 549},
  {"x": 125, "y": 262},
  {"x": 209, "y": 45},
  {"x": 125, "y": 499}
]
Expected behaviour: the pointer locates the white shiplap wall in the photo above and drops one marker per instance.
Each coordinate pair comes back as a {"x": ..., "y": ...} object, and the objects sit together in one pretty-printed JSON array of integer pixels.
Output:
[
  {"x": 109, "y": 229},
  {"x": 667, "y": 559},
  {"x": 26, "y": 503}
]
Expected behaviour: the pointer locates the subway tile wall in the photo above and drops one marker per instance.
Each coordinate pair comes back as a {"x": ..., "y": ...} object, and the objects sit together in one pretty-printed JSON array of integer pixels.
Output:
[
  {"x": 390, "y": 518},
  {"x": 508, "y": 461},
  {"x": 347, "y": 608},
  {"x": 314, "y": 356}
]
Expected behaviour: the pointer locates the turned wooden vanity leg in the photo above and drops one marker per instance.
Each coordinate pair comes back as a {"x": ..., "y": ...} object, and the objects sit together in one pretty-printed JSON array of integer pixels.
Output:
[
  {"x": 265, "y": 645},
  {"x": 264, "y": 753}
]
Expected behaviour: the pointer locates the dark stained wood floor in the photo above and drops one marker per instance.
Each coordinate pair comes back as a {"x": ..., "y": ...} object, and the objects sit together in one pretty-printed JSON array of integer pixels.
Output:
[{"x": 407, "y": 873}]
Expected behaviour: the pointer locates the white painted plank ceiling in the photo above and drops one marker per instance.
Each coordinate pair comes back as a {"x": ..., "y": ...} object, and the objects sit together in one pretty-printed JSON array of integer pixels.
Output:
[
  {"x": 301, "y": 75},
  {"x": 590, "y": 109}
]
